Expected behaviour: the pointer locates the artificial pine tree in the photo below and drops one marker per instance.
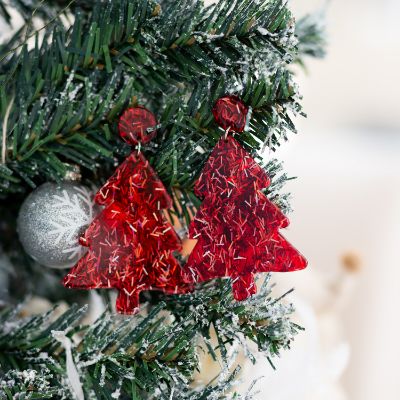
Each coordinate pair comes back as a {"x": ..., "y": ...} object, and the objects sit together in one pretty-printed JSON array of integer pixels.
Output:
[{"x": 66, "y": 76}]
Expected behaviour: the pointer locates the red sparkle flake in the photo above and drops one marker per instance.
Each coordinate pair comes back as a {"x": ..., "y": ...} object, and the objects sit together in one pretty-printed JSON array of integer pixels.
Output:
[
  {"x": 230, "y": 113},
  {"x": 130, "y": 242},
  {"x": 137, "y": 125},
  {"x": 237, "y": 227}
]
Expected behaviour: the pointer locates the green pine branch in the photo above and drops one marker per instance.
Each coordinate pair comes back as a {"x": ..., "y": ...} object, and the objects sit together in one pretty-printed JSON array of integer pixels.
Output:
[
  {"x": 142, "y": 356},
  {"x": 310, "y": 31},
  {"x": 65, "y": 92},
  {"x": 176, "y": 59}
]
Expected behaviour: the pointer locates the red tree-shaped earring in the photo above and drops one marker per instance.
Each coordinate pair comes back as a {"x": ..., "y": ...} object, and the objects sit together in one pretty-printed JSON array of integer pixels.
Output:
[
  {"x": 237, "y": 227},
  {"x": 130, "y": 243}
]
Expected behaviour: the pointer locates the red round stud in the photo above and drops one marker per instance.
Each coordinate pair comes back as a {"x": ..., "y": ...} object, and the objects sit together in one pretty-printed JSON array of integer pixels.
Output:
[
  {"x": 230, "y": 113},
  {"x": 137, "y": 125}
]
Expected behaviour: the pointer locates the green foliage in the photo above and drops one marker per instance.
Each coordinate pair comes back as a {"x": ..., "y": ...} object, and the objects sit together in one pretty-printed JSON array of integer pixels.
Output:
[
  {"x": 311, "y": 34},
  {"x": 70, "y": 88},
  {"x": 152, "y": 356},
  {"x": 65, "y": 88}
]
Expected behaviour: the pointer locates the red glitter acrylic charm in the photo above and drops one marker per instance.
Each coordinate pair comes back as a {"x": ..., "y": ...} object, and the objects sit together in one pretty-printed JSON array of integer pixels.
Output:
[
  {"x": 237, "y": 227},
  {"x": 130, "y": 243},
  {"x": 137, "y": 125},
  {"x": 231, "y": 113}
]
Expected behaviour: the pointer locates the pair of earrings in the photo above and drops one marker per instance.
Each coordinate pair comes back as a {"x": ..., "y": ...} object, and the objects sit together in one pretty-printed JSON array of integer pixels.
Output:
[{"x": 131, "y": 244}]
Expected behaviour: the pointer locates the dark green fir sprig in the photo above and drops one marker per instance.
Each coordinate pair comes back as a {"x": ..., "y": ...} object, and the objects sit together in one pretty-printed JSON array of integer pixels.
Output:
[
  {"x": 176, "y": 58},
  {"x": 65, "y": 78},
  {"x": 146, "y": 356}
]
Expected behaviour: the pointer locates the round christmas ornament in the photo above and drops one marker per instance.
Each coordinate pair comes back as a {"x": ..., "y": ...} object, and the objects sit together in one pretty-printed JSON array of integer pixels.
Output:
[
  {"x": 50, "y": 221},
  {"x": 231, "y": 113}
]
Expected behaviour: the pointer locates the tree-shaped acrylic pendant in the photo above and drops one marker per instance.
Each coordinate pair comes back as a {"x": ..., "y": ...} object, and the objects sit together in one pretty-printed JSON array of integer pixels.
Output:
[
  {"x": 237, "y": 227},
  {"x": 130, "y": 243}
]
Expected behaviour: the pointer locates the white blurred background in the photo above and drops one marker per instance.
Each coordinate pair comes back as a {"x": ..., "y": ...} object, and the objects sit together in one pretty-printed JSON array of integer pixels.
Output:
[{"x": 346, "y": 216}]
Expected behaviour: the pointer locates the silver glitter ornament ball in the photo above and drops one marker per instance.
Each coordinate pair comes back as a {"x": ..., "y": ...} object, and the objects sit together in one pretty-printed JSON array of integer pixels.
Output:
[{"x": 50, "y": 221}]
